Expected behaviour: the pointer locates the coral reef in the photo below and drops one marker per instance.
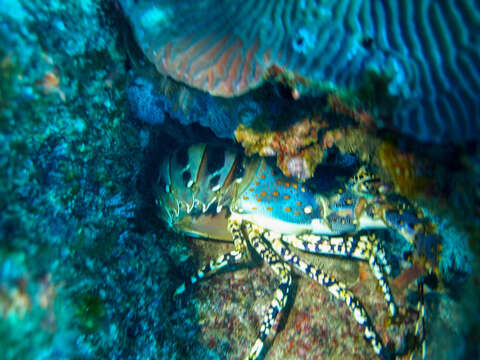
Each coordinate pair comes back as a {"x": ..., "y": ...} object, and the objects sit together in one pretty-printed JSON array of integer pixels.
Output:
[
  {"x": 30, "y": 308},
  {"x": 292, "y": 81},
  {"x": 457, "y": 259},
  {"x": 298, "y": 149},
  {"x": 74, "y": 280},
  {"x": 159, "y": 100},
  {"x": 339, "y": 104},
  {"x": 292, "y": 147},
  {"x": 404, "y": 170},
  {"x": 152, "y": 106},
  {"x": 227, "y": 47},
  {"x": 88, "y": 272}
]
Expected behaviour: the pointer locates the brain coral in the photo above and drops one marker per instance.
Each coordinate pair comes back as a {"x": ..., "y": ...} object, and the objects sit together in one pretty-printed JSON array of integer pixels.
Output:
[{"x": 428, "y": 49}]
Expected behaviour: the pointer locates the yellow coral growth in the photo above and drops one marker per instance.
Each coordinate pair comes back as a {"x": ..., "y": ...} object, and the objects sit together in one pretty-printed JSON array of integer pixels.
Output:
[
  {"x": 253, "y": 141},
  {"x": 297, "y": 149}
]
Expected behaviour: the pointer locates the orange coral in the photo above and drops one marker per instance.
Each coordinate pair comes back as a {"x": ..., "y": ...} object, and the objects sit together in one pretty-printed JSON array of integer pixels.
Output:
[
  {"x": 403, "y": 169},
  {"x": 298, "y": 149},
  {"x": 50, "y": 84}
]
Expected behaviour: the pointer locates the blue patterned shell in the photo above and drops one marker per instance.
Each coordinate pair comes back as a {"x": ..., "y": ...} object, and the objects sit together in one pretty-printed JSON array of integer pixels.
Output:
[{"x": 273, "y": 196}]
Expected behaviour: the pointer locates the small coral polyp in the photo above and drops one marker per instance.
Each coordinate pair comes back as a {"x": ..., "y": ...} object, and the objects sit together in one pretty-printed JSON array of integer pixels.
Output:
[{"x": 202, "y": 187}]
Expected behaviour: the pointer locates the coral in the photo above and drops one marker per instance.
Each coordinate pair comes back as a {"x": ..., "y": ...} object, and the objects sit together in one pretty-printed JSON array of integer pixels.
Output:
[
  {"x": 297, "y": 149},
  {"x": 86, "y": 270},
  {"x": 404, "y": 170},
  {"x": 12, "y": 9},
  {"x": 456, "y": 259},
  {"x": 8, "y": 72},
  {"x": 68, "y": 193},
  {"x": 226, "y": 48},
  {"x": 31, "y": 309},
  {"x": 159, "y": 100},
  {"x": 292, "y": 81},
  {"x": 50, "y": 84},
  {"x": 167, "y": 100},
  {"x": 339, "y": 105},
  {"x": 144, "y": 103},
  {"x": 446, "y": 324},
  {"x": 121, "y": 306}
]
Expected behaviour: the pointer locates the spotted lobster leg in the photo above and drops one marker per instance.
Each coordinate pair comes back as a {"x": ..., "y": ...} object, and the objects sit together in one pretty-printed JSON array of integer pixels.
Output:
[
  {"x": 359, "y": 247},
  {"x": 277, "y": 265},
  {"x": 411, "y": 224},
  {"x": 279, "y": 301},
  {"x": 362, "y": 247},
  {"x": 335, "y": 287},
  {"x": 397, "y": 213},
  {"x": 228, "y": 259},
  {"x": 421, "y": 321}
]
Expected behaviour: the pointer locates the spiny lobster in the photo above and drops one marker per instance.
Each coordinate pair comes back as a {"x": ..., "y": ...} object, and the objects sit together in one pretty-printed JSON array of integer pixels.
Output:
[{"x": 215, "y": 192}]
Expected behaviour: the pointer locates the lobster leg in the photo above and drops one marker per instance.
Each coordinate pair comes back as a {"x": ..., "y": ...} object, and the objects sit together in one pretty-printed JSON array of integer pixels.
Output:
[
  {"x": 359, "y": 247},
  {"x": 210, "y": 268},
  {"x": 363, "y": 247},
  {"x": 378, "y": 268},
  {"x": 222, "y": 261},
  {"x": 335, "y": 287},
  {"x": 421, "y": 321},
  {"x": 281, "y": 294}
]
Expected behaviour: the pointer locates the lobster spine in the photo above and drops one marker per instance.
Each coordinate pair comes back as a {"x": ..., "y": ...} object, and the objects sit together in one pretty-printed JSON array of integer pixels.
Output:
[{"x": 198, "y": 179}]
